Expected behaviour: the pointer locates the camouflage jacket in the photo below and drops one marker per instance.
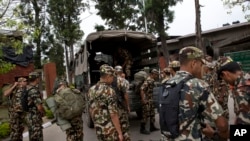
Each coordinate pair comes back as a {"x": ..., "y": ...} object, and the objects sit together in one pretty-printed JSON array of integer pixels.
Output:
[
  {"x": 147, "y": 87},
  {"x": 241, "y": 94},
  {"x": 34, "y": 97},
  {"x": 220, "y": 90},
  {"x": 102, "y": 102},
  {"x": 15, "y": 99},
  {"x": 195, "y": 94}
]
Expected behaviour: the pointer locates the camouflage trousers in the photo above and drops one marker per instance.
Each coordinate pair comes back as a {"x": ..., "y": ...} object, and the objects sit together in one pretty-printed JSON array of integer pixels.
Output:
[
  {"x": 103, "y": 134},
  {"x": 17, "y": 120},
  {"x": 35, "y": 128},
  {"x": 75, "y": 133},
  {"x": 124, "y": 121},
  {"x": 148, "y": 111}
]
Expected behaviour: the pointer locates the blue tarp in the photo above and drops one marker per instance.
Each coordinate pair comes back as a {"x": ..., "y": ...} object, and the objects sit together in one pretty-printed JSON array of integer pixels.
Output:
[{"x": 23, "y": 59}]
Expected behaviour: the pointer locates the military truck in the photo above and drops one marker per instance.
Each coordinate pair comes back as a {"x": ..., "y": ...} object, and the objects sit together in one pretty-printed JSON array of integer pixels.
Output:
[{"x": 131, "y": 49}]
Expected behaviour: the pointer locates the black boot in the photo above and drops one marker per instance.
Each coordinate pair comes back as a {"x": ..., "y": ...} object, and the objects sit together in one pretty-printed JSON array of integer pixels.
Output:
[
  {"x": 143, "y": 129},
  {"x": 153, "y": 128}
]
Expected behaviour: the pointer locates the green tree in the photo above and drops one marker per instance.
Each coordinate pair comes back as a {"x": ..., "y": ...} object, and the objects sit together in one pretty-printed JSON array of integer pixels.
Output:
[
  {"x": 245, "y": 4},
  {"x": 33, "y": 13},
  {"x": 131, "y": 14},
  {"x": 64, "y": 17},
  {"x": 10, "y": 38},
  {"x": 119, "y": 14},
  {"x": 159, "y": 15}
]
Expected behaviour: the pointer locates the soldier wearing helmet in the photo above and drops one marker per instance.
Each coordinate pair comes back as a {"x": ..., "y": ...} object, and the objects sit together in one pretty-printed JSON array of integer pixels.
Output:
[
  {"x": 121, "y": 86},
  {"x": 36, "y": 110},
  {"x": 103, "y": 106},
  {"x": 148, "y": 108},
  {"x": 174, "y": 67}
]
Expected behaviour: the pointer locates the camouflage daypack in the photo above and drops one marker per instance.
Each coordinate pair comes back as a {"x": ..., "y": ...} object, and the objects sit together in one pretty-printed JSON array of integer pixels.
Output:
[{"x": 70, "y": 103}]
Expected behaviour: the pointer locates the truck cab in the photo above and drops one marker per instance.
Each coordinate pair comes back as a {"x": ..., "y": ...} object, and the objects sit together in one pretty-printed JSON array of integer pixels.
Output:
[{"x": 132, "y": 50}]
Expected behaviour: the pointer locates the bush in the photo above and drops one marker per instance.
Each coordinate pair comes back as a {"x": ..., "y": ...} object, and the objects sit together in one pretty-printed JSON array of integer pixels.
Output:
[
  {"x": 4, "y": 129},
  {"x": 49, "y": 114}
]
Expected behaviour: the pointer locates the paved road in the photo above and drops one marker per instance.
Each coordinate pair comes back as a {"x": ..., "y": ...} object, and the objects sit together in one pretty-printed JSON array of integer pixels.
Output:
[{"x": 54, "y": 133}]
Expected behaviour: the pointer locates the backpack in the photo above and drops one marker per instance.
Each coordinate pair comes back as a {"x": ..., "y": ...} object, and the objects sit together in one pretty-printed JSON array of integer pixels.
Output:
[
  {"x": 169, "y": 97},
  {"x": 139, "y": 79},
  {"x": 70, "y": 103},
  {"x": 24, "y": 99}
]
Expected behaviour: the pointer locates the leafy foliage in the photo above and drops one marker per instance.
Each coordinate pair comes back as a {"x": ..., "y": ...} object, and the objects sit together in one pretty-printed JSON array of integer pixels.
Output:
[
  {"x": 49, "y": 114},
  {"x": 119, "y": 14},
  {"x": 245, "y": 5},
  {"x": 4, "y": 129}
]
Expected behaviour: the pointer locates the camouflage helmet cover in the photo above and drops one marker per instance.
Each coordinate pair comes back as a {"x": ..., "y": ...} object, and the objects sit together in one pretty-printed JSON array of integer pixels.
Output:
[
  {"x": 174, "y": 64},
  {"x": 191, "y": 52},
  {"x": 106, "y": 69}
]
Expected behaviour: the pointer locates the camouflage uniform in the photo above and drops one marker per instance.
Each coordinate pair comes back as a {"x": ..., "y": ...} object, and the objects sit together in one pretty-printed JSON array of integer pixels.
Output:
[
  {"x": 240, "y": 91},
  {"x": 103, "y": 102},
  {"x": 16, "y": 114},
  {"x": 241, "y": 96},
  {"x": 75, "y": 133},
  {"x": 148, "y": 109},
  {"x": 127, "y": 60},
  {"x": 194, "y": 96},
  {"x": 122, "y": 86},
  {"x": 195, "y": 89},
  {"x": 34, "y": 117}
]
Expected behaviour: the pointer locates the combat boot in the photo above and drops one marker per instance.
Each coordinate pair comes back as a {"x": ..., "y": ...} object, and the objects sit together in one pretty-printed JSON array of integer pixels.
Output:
[
  {"x": 143, "y": 129},
  {"x": 153, "y": 128}
]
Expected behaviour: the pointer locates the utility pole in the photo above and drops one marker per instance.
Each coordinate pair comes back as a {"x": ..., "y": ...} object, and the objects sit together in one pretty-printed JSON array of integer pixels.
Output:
[
  {"x": 145, "y": 19},
  {"x": 198, "y": 31}
]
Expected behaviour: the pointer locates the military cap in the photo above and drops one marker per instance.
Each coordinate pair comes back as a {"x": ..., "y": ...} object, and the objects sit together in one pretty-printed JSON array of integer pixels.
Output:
[
  {"x": 166, "y": 70},
  {"x": 21, "y": 78},
  {"x": 107, "y": 69},
  {"x": 191, "y": 52},
  {"x": 225, "y": 63},
  {"x": 174, "y": 64},
  {"x": 154, "y": 71},
  {"x": 62, "y": 81},
  {"x": 118, "y": 68},
  {"x": 208, "y": 61},
  {"x": 34, "y": 73}
]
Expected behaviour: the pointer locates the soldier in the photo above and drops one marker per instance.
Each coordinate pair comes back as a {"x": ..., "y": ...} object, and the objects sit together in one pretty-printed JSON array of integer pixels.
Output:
[
  {"x": 231, "y": 73},
  {"x": 218, "y": 87},
  {"x": 174, "y": 67},
  {"x": 75, "y": 133},
  {"x": 103, "y": 107},
  {"x": 165, "y": 75},
  {"x": 16, "y": 113},
  {"x": 128, "y": 61},
  {"x": 121, "y": 89},
  {"x": 36, "y": 110},
  {"x": 195, "y": 97},
  {"x": 148, "y": 108}
]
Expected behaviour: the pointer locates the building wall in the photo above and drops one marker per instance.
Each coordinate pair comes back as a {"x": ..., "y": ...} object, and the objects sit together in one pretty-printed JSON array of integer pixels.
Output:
[{"x": 17, "y": 71}]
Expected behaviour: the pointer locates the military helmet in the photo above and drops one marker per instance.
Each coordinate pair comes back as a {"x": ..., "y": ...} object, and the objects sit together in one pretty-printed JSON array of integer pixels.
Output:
[
  {"x": 106, "y": 69},
  {"x": 118, "y": 68},
  {"x": 34, "y": 74},
  {"x": 191, "y": 52},
  {"x": 174, "y": 64}
]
